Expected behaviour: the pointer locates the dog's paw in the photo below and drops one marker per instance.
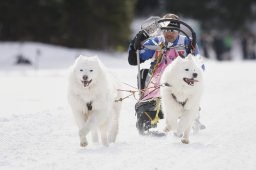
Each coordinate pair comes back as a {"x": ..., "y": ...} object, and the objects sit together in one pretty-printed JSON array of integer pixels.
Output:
[
  {"x": 112, "y": 138},
  {"x": 185, "y": 141},
  {"x": 202, "y": 126},
  {"x": 83, "y": 142},
  {"x": 167, "y": 129},
  {"x": 105, "y": 144}
]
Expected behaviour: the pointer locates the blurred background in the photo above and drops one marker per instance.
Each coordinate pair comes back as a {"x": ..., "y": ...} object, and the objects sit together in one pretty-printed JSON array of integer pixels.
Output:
[{"x": 223, "y": 27}]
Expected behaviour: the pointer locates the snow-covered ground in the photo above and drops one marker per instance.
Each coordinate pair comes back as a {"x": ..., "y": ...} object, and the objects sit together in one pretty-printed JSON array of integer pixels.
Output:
[{"x": 37, "y": 129}]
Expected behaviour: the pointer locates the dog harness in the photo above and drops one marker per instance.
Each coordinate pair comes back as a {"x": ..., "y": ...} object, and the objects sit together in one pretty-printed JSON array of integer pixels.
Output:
[
  {"x": 89, "y": 106},
  {"x": 181, "y": 103}
]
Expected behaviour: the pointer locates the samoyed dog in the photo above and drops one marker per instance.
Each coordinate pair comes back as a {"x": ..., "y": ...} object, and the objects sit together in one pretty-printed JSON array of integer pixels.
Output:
[
  {"x": 92, "y": 96},
  {"x": 181, "y": 94}
]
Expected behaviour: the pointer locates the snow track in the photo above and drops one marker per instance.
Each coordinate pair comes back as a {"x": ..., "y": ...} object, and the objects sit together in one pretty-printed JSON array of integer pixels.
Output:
[{"x": 37, "y": 129}]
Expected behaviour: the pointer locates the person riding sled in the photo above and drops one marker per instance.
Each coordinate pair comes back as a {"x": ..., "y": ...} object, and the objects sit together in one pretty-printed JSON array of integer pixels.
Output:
[{"x": 162, "y": 49}]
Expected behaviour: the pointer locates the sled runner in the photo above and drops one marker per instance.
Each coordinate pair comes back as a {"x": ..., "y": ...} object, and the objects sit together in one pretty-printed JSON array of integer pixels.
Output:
[{"x": 148, "y": 108}]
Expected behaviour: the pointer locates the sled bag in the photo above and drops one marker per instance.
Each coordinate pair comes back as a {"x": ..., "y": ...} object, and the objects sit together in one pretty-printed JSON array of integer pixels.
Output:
[{"x": 149, "y": 107}]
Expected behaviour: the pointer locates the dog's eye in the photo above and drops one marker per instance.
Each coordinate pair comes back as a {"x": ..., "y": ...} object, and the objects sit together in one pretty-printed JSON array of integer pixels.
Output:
[
  {"x": 91, "y": 70},
  {"x": 81, "y": 70},
  {"x": 186, "y": 69}
]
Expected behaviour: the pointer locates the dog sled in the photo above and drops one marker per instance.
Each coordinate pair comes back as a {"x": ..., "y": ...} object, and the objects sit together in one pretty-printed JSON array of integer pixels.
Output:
[{"x": 148, "y": 108}]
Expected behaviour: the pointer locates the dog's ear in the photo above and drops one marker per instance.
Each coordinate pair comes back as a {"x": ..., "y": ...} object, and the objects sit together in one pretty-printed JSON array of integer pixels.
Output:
[
  {"x": 95, "y": 57},
  {"x": 190, "y": 56},
  {"x": 80, "y": 57},
  {"x": 180, "y": 58},
  {"x": 97, "y": 60}
]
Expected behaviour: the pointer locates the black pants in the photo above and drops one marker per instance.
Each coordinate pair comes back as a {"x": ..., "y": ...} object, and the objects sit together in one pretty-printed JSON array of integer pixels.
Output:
[{"x": 143, "y": 76}]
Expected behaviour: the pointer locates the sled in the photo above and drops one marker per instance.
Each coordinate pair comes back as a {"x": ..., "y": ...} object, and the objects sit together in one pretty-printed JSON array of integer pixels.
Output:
[{"x": 148, "y": 108}]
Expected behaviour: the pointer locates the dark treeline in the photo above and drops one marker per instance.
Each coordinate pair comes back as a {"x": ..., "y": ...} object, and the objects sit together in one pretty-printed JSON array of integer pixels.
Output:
[
  {"x": 105, "y": 24},
  {"x": 98, "y": 24},
  {"x": 227, "y": 14}
]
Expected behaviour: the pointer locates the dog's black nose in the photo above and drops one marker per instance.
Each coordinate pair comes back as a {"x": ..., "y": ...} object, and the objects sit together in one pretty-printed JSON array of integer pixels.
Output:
[
  {"x": 85, "y": 77},
  {"x": 194, "y": 75}
]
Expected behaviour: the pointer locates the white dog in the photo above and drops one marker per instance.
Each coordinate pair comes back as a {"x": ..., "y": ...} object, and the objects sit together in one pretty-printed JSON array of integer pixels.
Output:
[
  {"x": 181, "y": 94},
  {"x": 92, "y": 92}
]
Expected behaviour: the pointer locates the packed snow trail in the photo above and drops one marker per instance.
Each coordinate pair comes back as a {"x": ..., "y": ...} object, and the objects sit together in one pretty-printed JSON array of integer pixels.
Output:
[{"x": 38, "y": 131}]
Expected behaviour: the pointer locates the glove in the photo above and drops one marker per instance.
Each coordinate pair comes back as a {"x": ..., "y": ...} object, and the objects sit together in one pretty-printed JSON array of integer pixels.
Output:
[{"x": 140, "y": 36}]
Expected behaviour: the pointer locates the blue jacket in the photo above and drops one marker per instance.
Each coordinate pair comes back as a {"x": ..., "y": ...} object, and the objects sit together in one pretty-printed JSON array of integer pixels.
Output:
[{"x": 181, "y": 43}]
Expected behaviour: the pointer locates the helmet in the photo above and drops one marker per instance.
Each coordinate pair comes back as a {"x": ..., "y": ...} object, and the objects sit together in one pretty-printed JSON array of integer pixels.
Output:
[{"x": 170, "y": 24}]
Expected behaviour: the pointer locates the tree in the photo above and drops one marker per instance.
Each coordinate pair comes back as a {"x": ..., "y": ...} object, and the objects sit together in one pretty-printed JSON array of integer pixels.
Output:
[
  {"x": 214, "y": 13},
  {"x": 230, "y": 14},
  {"x": 80, "y": 23}
]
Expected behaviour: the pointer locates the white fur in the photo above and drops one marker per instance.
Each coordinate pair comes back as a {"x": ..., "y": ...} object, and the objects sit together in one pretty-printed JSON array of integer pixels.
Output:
[
  {"x": 102, "y": 92},
  {"x": 173, "y": 75}
]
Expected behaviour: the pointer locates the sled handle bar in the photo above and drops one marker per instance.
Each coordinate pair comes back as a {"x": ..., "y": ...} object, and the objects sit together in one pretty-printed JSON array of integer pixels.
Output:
[
  {"x": 193, "y": 34},
  {"x": 139, "y": 76}
]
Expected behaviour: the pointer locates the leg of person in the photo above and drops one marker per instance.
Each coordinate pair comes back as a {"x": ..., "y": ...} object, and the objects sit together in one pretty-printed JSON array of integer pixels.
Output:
[{"x": 143, "y": 76}]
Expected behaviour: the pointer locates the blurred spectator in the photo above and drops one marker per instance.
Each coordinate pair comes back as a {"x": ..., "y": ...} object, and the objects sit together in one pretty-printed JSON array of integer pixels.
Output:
[
  {"x": 218, "y": 47},
  {"x": 22, "y": 60},
  {"x": 245, "y": 45},
  {"x": 222, "y": 45},
  {"x": 248, "y": 46},
  {"x": 206, "y": 41},
  {"x": 228, "y": 43}
]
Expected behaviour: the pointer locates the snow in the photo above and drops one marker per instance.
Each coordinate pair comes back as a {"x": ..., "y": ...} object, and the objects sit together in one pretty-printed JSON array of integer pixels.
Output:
[{"x": 37, "y": 129}]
